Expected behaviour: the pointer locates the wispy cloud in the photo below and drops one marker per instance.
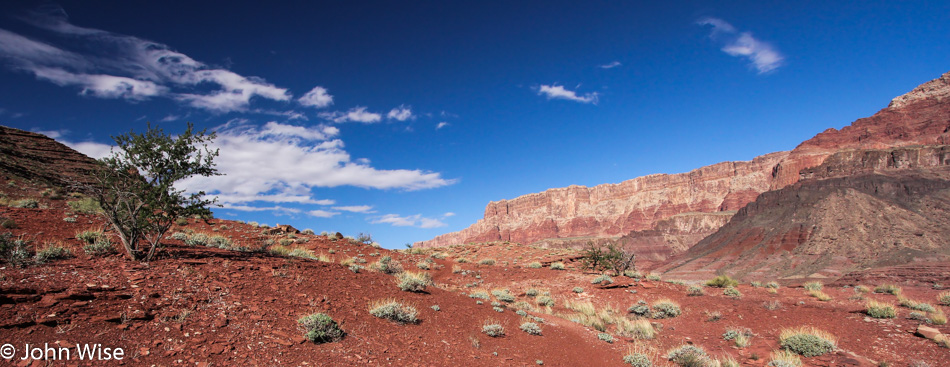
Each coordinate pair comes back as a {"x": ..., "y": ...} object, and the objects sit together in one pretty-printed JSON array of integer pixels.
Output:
[
  {"x": 558, "y": 92},
  {"x": 356, "y": 208},
  {"x": 401, "y": 113},
  {"x": 321, "y": 213},
  {"x": 53, "y": 134},
  {"x": 761, "y": 55},
  {"x": 103, "y": 64},
  {"x": 408, "y": 221},
  {"x": 441, "y": 125},
  {"x": 355, "y": 114},
  {"x": 610, "y": 65},
  {"x": 316, "y": 97}
]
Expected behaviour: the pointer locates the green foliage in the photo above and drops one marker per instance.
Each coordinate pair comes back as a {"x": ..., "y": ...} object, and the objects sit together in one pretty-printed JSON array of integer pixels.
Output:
[
  {"x": 605, "y": 337},
  {"x": 503, "y": 295},
  {"x": 785, "y": 358},
  {"x": 880, "y": 310},
  {"x": 640, "y": 309},
  {"x": 732, "y": 292},
  {"x": 487, "y": 261},
  {"x": 320, "y": 328},
  {"x": 387, "y": 265},
  {"x": 545, "y": 301},
  {"x": 531, "y": 328},
  {"x": 807, "y": 342},
  {"x": 102, "y": 246},
  {"x": 638, "y": 360},
  {"x": 493, "y": 330},
  {"x": 602, "y": 278},
  {"x": 695, "y": 290},
  {"x": 14, "y": 251},
  {"x": 394, "y": 311},
  {"x": 688, "y": 355},
  {"x": 414, "y": 282},
  {"x": 531, "y": 292},
  {"x": 578, "y": 290},
  {"x": 51, "y": 251},
  {"x": 135, "y": 186},
  {"x": 722, "y": 281},
  {"x": 665, "y": 309},
  {"x": 611, "y": 257},
  {"x": 89, "y": 236},
  {"x": 26, "y": 203},
  {"x": 534, "y": 265}
]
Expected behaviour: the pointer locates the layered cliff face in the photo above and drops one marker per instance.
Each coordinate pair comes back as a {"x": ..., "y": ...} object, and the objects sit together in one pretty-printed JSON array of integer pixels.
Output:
[
  {"x": 37, "y": 158},
  {"x": 576, "y": 214},
  {"x": 614, "y": 210},
  {"x": 860, "y": 209}
]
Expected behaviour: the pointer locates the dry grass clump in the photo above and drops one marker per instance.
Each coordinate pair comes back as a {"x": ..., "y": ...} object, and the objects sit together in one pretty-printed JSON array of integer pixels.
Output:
[
  {"x": 944, "y": 298},
  {"x": 640, "y": 329},
  {"x": 665, "y": 309},
  {"x": 722, "y": 281},
  {"x": 393, "y": 310},
  {"x": 938, "y": 317},
  {"x": 493, "y": 329},
  {"x": 639, "y": 356},
  {"x": 813, "y": 286},
  {"x": 880, "y": 310},
  {"x": 807, "y": 341},
  {"x": 888, "y": 289},
  {"x": 821, "y": 296},
  {"x": 784, "y": 358},
  {"x": 320, "y": 328},
  {"x": 413, "y": 281},
  {"x": 557, "y": 266}
]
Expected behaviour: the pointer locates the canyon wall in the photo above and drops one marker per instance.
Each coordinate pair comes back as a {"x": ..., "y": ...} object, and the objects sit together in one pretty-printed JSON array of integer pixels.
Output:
[{"x": 639, "y": 208}]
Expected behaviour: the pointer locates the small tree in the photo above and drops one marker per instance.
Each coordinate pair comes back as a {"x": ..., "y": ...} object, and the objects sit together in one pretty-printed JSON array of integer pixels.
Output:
[
  {"x": 135, "y": 185},
  {"x": 613, "y": 257}
]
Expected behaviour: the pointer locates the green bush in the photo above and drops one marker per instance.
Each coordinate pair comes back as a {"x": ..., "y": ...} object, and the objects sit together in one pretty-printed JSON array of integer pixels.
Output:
[
  {"x": 320, "y": 328},
  {"x": 688, "y": 355},
  {"x": 26, "y": 203},
  {"x": 531, "y": 292},
  {"x": 197, "y": 239},
  {"x": 880, "y": 310},
  {"x": 493, "y": 330},
  {"x": 784, "y": 358},
  {"x": 637, "y": 359},
  {"x": 772, "y": 285},
  {"x": 413, "y": 282},
  {"x": 640, "y": 309},
  {"x": 101, "y": 247},
  {"x": 665, "y": 308},
  {"x": 52, "y": 251},
  {"x": 89, "y": 236},
  {"x": 545, "y": 301},
  {"x": 394, "y": 311},
  {"x": 807, "y": 341},
  {"x": 503, "y": 295},
  {"x": 605, "y": 337},
  {"x": 602, "y": 278},
  {"x": 722, "y": 281},
  {"x": 479, "y": 295},
  {"x": 14, "y": 250},
  {"x": 534, "y": 265},
  {"x": 531, "y": 328},
  {"x": 386, "y": 265},
  {"x": 732, "y": 292},
  {"x": 695, "y": 290},
  {"x": 487, "y": 261}
]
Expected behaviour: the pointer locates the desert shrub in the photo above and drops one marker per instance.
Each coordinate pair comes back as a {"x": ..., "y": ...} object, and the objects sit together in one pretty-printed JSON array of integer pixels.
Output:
[
  {"x": 743, "y": 341},
  {"x": 688, "y": 355},
  {"x": 531, "y": 328},
  {"x": 821, "y": 296},
  {"x": 413, "y": 282},
  {"x": 531, "y": 292},
  {"x": 772, "y": 285},
  {"x": 601, "y": 279},
  {"x": 772, "y": 305},
  {"x": 653, "y": 277},
  {"x": 722, "y": 281},
  {"x": 393, "y": 310},
  {"x": 919, "y": 316},
  {"x": 387, "y": 265},
  {"x": 179, "y": 236},
  {"x": 938, "y": 317},
  {"x": 219, "y": 242},
  {"x": 713, "y": 316},
  {"x": 861, "y": 289},
  {"x": 944, "y": 298},
  {"x": 784, "y": 358},
  {"x": 640, "y": 309},
  {"x": 503, "y": 295},
  {"x": 462, "y": 260},
  {"x": 9, "y": 223},
  {"x": 578, "y": 290},
  {"x": 479, "y": 295},
  {"x": 732, "y": 292},
  {"x": 611, "y": 257},
  {"x": 807, "y": 341},
  {"x": 734, "y": 332},
  {"x": 606, "y": 337},
  {"x": 888, "y": 289},
  {"x": 498, "y": 309},
  {"x": 629, "y": 273},
  {"x": 880, "y": 310},
  {"x": 665, "y": 308},
  {"x": 545, "y": 301},
  {"x": 85, "y": 205},
  {"x": 695, "y": 290},
  {"x": 356, "y": 268},
  {"x": 521, "y": 313},
  {"x": 101, "y": 247},
  {"x": 423, "y": 265},
  {"x": 637, "y": 358},
  {"x": 534, "y": 265},
  {"x": 813, "y": 286},
  {"x": 640, "y": 329},
  {"x": 14, "y": 250},
  {"x": 26, "y": 203},
  {"x": 52, "y": 251},
  {"x": 487, "y": 261},
  {"x": 557, "y": 266},
  {"x": 320, "y": 328},
  {"x": 197, "y": 239},
  {"x": 493, "y": 329},
  {"x": 756, "y": 284},
  {"x": 89, "y": 236}
]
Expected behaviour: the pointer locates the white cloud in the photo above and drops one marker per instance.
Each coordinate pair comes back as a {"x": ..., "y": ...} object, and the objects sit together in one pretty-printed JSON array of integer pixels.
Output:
[
  {"x": 355, "y": 114},
  {"x": 558, "y": 92},
  {"x": 441, "y": 125},
  {"x": 316, "y": 97},
  {"x": 408, "y": 221},
  {"x": 610, "y": 65},
  {"x": 247, "y": 208},
  {"x": 321, "y": 213},
  {"x": 356, "y": 208},
  {"x": 448, "y": 214},
  {"x": 762, "y": 56},
  {"x": 52, "y": 134},
  {"x": 89, "y": 148},
  {"x": 401, "y": 113},
  {"x": 110, "y": 65}
]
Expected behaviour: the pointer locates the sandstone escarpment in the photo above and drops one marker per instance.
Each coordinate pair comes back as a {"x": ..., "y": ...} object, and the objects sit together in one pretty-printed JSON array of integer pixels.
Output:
[
  {"x": 577, "y": 214},
  {"x": 613, "y": 210},
  {"x": 37, "y": 158}
]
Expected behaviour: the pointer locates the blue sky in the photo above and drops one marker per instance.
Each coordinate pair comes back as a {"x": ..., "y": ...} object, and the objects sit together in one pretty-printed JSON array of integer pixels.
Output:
[{"x": 403, "y": 119}]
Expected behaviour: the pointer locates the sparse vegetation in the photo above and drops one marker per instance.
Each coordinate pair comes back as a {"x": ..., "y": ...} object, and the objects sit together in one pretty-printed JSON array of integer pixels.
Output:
[
  {"x": 888, "y": 289},
  {"x": 640, "y": 329},
  {"x": 813, "y": 286},
  {"x": 821, "y": 296},
  {"x": 612, "y": 257},
  {"x": 938, "y": 317},
  {"x": 689, "y": 355},
  {"x": 784, "y": 358},
  {"x": 14, "y": 251},
  {"x": 26, "y": 203},
  {"x": 557, "y": 266},
  {"x": 772, "y": 285},
  {"x": 503, "y": 295},
  {"x": 320, "y": 328},
  {"x": 638, "y": 357},
  {"x": 493, "y": 329},
  {"x": 535, "y": 265},
  {"x": 665, "y": 308},
  {"x": 578, "y": 290},
  {"x": 387, "y": 265},
  {"x": 772, "y": 305},
  {"x": 600, "y": 279},
  {"x": 695, "y": 291},
  {"x": 807, "y": 341},
  {"x": 545, "y": 301},
  {"x": 393, "y": 310},
  {"x": 880, "y": 310},
  {"x": 944, "y": 298},
  {"x": 732, "y": 292},
  {"x": 413, "y": 281},
  {"x": 722, "y": 281},
  {"x": 530, "y": 328},
  {"x": 487, "y": 262},
  {"x": 606, "y": 337},
  {"x": 52, "y": 251}
]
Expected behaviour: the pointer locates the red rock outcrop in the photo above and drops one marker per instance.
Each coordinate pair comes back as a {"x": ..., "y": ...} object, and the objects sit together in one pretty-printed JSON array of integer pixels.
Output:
[
  {"x": 37, "y": 158},
  {"x": 613, "y": 210},
  {"x": 920, "y": 117}
]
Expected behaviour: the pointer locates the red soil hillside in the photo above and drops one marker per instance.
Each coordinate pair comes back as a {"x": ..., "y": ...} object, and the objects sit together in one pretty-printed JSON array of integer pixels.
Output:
[{"x": 37, "y": 158}]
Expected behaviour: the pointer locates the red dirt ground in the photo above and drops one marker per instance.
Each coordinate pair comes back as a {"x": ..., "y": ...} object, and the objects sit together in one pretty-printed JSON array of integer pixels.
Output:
[{"x": 209, "y": 306}]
